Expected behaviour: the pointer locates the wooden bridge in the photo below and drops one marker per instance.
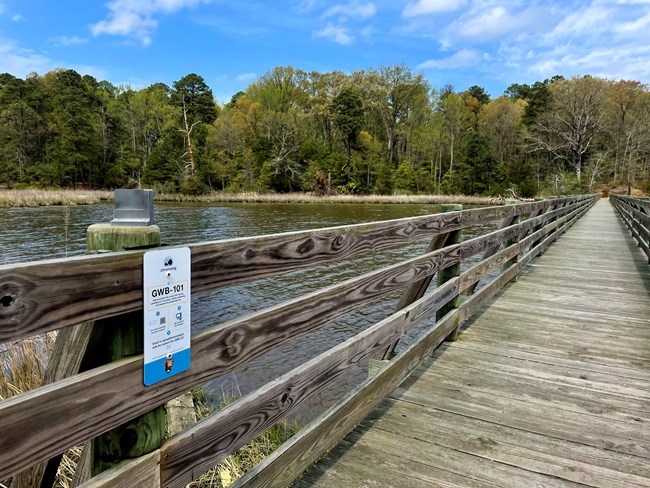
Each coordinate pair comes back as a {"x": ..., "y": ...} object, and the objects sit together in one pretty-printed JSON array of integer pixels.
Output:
[{"x": 546, "y": 385}]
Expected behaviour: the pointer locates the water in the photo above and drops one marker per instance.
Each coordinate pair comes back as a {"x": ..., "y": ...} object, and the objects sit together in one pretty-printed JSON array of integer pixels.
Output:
[{"x": 30, "y": 234}]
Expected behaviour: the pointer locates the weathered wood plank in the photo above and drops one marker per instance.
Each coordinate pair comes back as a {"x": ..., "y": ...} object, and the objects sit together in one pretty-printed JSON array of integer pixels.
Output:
[
  {"x": 141, "y": 472},
  {"x": 538, "y": 391},
  {"x": 480, "y": 468},
  {"x": 471, "y": 276},
  {"x": 592, "y": 430},
  {"x": 533, "y": 452},
  {"x": 355, "y": 465},
  {"x": 289, "y": 461},
  {"x": 46, "y": 295},
  {"x": 196, "y": 450},
  {"x": 626, "y": 376},
  {"x": 545, "y": 368},
  {"x": 91, "y": 403}
]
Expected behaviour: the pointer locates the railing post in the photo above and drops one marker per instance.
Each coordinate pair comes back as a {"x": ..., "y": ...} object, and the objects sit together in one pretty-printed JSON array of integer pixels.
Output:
[
  {"x": 118, "y": 337},
  {"x": 514, "y": 240},
  {"x": 452, "y": 271},
  {"x": 417, "y": 290},
  {"x": 84, "y": 346}
]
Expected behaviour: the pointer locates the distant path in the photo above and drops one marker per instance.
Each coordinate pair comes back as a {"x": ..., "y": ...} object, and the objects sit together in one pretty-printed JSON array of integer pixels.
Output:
[{"x": 549, "y": 385}]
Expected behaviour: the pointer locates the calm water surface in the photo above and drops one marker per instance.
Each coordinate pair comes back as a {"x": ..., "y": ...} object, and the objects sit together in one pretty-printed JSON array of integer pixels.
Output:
[{"x": 29, "y": 234}]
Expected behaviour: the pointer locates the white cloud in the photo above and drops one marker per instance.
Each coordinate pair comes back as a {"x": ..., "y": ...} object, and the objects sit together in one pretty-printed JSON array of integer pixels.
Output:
[
  {"x": 492, "y": 23},
  {"x": 591, "y": 21},
  {"x": 20, "y": 62},
  {"x": 68, "y": 41},
  {"x": 368, "y": 33},
  {"x": 246, "y": 77},
  {"x": 136, "y": 18},
  {"x": 629, "y": 62},
  {"x": 336, "y": 33},
  {"x": 633, "y": 26},
  {"x": 305, "y": 6},
  {"x": 16, "y": 17},
  {"x": 423, "y": 7},
  {"x": 352, "y": 10},
  {"x": 464, "y": 58}
]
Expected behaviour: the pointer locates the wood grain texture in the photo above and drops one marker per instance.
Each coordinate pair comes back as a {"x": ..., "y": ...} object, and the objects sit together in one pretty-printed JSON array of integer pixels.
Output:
[
  {"x": 143, "y": 472},
  {"x": 193, "y": 452},
  {"x": 42, "y": 296},
  {"x": 289, "y": 460},
  {"x": 470, "y": 277},
  {"x": 636, "y": 215},
  {"x": 547, "y": 385},
  {"x": 93, "y": 402}
]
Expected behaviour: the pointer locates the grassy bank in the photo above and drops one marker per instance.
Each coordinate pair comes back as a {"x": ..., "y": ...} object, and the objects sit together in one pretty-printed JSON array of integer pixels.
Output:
[
  {"x": 38, "y": 198},
  {"x": 253, "y": 197}
]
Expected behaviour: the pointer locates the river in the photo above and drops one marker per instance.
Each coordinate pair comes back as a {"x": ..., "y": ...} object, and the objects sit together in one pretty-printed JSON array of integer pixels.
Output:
[{"x": 30, "y": 234}]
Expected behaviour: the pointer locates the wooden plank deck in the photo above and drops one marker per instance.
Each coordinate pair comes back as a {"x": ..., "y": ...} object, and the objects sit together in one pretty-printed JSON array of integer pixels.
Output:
[{"x": 548, "y": 385}]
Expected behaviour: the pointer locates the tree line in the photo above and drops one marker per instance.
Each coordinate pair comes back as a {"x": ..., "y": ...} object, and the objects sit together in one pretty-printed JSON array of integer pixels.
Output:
[{"x": 379, "y": 131}]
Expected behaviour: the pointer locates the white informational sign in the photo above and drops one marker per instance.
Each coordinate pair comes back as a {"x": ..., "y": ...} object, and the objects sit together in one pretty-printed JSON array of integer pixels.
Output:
[{"x": 166, "y": 290}]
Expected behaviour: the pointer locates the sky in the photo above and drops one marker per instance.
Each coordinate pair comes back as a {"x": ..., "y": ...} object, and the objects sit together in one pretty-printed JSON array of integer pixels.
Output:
[{"x": 490, "y": 43}]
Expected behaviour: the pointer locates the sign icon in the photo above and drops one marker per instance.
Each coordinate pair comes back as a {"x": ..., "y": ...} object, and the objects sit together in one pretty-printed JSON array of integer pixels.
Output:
[
  {"x": 169, "y": 362},
  {"x": 179, "y": 316},
  {"x": 169, "y": 261}
]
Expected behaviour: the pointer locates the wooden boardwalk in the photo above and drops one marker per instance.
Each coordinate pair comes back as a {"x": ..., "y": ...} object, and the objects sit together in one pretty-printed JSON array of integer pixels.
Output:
[{"x": 548, "y": 385}]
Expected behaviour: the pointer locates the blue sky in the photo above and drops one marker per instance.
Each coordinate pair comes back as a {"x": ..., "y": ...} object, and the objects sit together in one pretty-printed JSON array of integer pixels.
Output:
[{"x": 491, "y": 43}]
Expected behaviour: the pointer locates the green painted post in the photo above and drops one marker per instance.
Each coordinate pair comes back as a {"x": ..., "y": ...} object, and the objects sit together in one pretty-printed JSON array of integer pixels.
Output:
[
  {"x": 113, "y": 339},
  {"x": 450, "y": 272},
  {"x": 514, "y": 240}
]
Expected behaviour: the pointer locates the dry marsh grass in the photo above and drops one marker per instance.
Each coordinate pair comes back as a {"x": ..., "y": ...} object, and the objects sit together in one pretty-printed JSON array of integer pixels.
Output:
[
  {"x": 37, "y": 198},
  {"x": 254, "y": 197},
  {"x": 23, "y": 367},
  {"x": 238, "y": 463}
]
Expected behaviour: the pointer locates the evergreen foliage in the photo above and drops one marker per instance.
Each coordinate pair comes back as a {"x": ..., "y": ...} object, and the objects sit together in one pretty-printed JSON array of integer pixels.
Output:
[{"x": 370, "y": 131}]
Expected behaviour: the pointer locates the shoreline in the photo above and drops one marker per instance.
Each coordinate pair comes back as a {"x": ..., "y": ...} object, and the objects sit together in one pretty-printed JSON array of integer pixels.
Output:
[{"x": 38, "y": 198}]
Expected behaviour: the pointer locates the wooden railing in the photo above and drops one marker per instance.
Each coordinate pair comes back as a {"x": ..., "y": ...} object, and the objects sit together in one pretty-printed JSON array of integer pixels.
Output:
[
  {"x": 635, "y": 212},
  {"x": 43, "y": 296}
]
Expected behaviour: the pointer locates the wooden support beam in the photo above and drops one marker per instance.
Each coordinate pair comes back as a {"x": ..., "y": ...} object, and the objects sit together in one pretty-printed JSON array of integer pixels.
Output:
[
  {"x": 417, "y": 290},
  {"x": 450, "y": 272},
  {"x": 116, "y": 338},
  {"x": 512, "y": 241}
]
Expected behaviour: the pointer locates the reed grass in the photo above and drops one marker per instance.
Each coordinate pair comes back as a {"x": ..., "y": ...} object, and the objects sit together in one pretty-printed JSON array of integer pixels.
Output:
[
  {"x": 297, "y": 197},
  {"x": 238, "y": 463},
  {"x": 23, "y": 366},
  {"x": 38, "y": 198}
]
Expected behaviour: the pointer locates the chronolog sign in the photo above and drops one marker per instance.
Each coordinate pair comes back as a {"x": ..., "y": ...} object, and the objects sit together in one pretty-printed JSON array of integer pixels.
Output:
[{"x": 166, "y": 291}]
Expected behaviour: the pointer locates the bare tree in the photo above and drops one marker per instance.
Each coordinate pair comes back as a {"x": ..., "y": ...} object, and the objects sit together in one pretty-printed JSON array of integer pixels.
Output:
[
  {"x": 576, "y": 116},
  {"x": 186, "y": 130}
]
